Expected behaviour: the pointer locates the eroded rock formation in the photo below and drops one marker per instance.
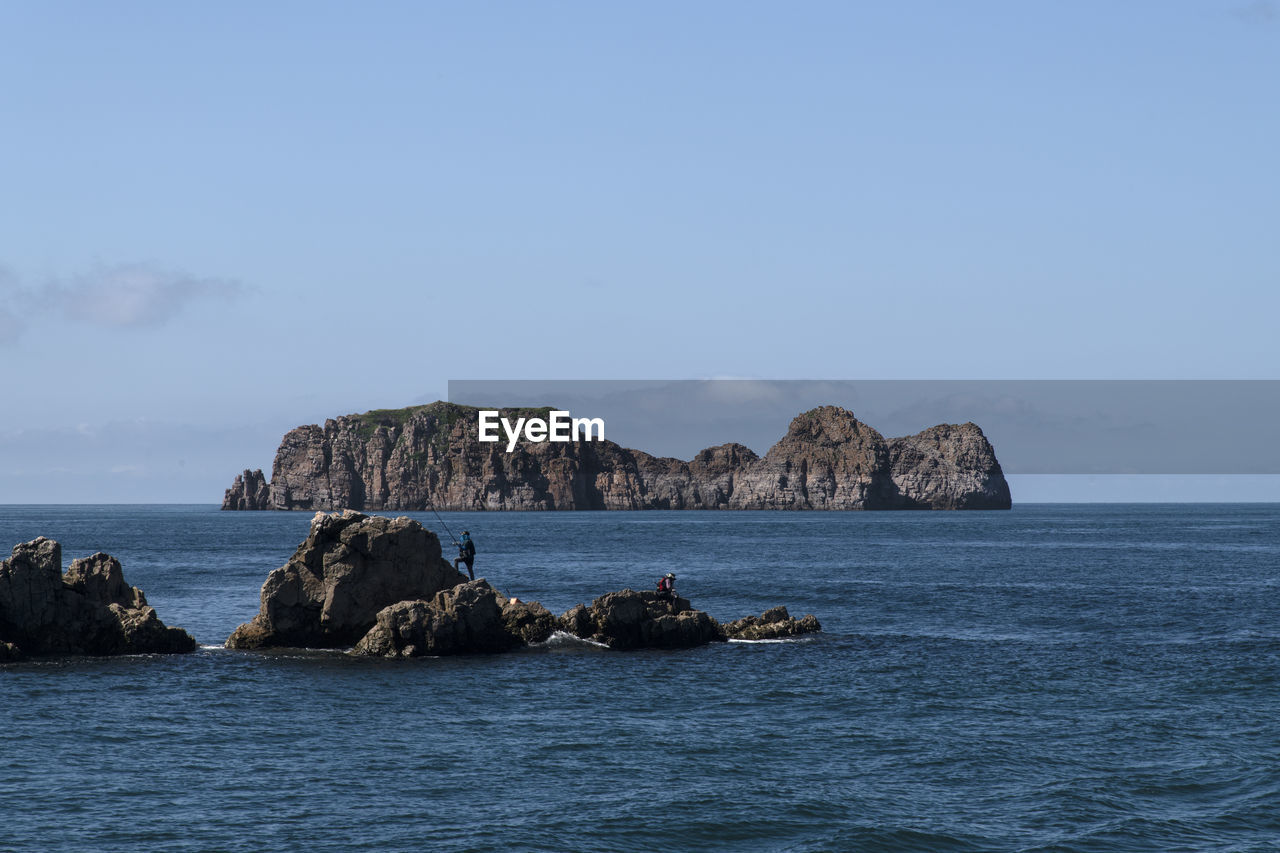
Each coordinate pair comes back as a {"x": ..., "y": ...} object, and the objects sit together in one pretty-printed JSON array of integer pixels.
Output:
[
  {"x": 472, "y": 617},
  {"x": 412, "y": 459},
  {"x": 348, "y": 568},
  {"x": 89, "y": 610},
  {"x": 462, "y": 620},
  {"x": 774, "y": 624},
  {"x": 379, "y": 585},
  {"x": 528, "y": 621},
  {"x": 827, "y": 460},
  {"x": 634, "y": 620},
  {"x": 949, "y": 466},
  {"x": 249, "y": 491}
]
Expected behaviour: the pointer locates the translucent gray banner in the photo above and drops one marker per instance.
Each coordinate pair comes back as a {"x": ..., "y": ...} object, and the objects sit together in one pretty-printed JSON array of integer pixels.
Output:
[{"x": 1036, "y": 426}]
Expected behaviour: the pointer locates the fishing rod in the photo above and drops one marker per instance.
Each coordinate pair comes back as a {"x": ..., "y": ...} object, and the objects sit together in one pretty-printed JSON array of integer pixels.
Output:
[{"x": 432, "y": 506}]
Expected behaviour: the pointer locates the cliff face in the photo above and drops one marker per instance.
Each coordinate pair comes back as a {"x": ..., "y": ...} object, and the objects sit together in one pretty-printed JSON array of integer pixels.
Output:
[
  {"x": 948, "y": 466},
  {"x": 827, "y": 460},
  {"x": 411, "y": 459}
]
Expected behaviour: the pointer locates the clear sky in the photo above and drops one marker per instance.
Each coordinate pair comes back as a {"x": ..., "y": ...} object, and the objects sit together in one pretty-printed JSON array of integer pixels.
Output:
[{"x": 219, "y": 221}]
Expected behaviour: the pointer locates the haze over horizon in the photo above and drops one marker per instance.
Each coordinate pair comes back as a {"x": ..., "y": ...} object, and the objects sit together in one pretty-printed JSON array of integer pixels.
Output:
[{"x": 224, "y": 222}]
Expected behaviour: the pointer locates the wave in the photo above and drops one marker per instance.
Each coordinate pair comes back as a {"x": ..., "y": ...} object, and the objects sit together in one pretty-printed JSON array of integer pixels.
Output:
[
  {"x": 565, "y": 640},
  {"x": 772, "y": 640}
]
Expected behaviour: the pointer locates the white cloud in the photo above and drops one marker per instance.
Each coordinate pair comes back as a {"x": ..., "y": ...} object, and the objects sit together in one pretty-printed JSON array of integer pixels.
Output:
[
  {"x": 120, "y": 296},
  {"x": 133, "y": 295}
]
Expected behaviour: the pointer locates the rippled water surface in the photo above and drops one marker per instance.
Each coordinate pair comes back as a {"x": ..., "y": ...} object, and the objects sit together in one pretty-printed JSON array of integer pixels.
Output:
[{"x": 1055, "y": 678}]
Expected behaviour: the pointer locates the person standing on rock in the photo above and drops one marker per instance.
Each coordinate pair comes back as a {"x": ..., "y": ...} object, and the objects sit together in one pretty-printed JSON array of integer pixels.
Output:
[
  {"x": 466, "y": 554},
  {"x": 667, "y": 587}
]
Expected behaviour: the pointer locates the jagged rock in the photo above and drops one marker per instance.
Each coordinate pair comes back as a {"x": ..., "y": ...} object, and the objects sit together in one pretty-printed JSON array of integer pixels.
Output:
[
  {"x": 100, "y": 578},
  {"x": 716, "y": 470},
  {"x": 249, "y": 492},
  {"x": 528, "y": 620},
  {"x": 31, "y": 591},
  {"x": 773, "y": 624},
  {"x": 827, "y": 460},
  {"x": 143, "y": 631},
  {"x": 348, "y": 569},
  {"x": 633, "y": 620},
  {"x": 380, "y": 584},
  {"x": 577, "y": 621},
  {"x": 464, "y": 620},
  {"x": 431, "y": 456},
  {"x": 89, "y": 610}
]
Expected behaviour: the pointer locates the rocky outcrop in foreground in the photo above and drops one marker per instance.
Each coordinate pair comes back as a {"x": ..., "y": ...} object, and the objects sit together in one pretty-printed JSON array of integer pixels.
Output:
[
  {"x": 476, "y": 618},
  {"x": 90, "y": 610},
  {"x": 634, "y": 620},
  {"x": 640, "y": 620},
  {"x": 348, "y": 568},
  {"x": 774, "y": 624},
  {"x": 380, "y": 585},
  {"x": 471, "y": 617},
  {"x": 424, "y": 456}
]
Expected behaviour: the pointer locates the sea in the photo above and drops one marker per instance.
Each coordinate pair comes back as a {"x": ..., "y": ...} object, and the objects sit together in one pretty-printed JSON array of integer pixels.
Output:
[{"x": 1059, "y": 677}]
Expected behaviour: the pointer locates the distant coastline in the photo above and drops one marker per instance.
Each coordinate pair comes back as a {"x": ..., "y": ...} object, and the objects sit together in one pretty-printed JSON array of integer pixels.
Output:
[{"x": 431, "y": 456}]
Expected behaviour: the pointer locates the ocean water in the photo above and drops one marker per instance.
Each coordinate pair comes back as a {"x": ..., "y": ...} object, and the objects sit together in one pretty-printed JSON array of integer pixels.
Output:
[{"x": 1054, "y": 678}]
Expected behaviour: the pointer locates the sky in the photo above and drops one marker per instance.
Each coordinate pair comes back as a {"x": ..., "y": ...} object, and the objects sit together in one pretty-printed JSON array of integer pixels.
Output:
[{"x": 221, "y": 221}]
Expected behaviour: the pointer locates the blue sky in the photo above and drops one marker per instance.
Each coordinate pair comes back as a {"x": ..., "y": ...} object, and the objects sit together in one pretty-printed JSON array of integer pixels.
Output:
[{"x": 224, "y": 220}]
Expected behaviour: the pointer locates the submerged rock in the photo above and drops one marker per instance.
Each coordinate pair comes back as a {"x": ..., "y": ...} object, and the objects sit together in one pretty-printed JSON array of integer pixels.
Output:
[
  {"x": 773, "y": 624},
  {"x": 349, "y": 568},
  {"x": 89, "y": 610},
  {"x": 634, "y": 620}
]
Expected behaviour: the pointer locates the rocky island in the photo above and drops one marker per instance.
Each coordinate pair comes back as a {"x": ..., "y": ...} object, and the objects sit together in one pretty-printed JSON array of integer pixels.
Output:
[
  {"x": 415, "y": 458},
  {"x": 89, "y": 610},
  {"x": 380, "y": 587}
]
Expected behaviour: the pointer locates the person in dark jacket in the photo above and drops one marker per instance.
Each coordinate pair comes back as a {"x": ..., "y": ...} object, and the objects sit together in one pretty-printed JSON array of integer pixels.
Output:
[{"x": 466, "y": 554}]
